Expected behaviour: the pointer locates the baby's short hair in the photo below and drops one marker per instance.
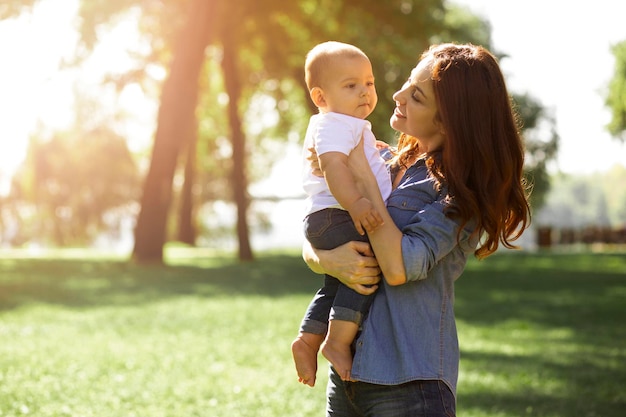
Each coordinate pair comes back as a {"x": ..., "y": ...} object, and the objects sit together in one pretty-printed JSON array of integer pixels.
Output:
[{"x": 318, "y": 58}]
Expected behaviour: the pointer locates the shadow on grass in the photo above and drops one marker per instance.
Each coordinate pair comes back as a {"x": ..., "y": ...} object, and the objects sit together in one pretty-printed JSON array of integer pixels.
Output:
[
  {"x": 566, "y": 313},
  {"x": 547, "y": 385},
  {"x": 557, "y": 291},
  {"x": 575, "y": 303},
  {"x": 90, "y": 283},
  {"x": 544, "y": 288}
]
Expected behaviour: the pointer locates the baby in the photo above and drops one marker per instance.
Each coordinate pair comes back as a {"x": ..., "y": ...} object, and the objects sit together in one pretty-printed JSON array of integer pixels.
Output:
[{"x": 340, "y": 80}]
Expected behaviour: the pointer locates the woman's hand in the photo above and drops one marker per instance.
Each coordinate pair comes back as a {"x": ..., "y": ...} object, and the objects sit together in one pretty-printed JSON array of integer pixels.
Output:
[{"x": 352, "y": 263}]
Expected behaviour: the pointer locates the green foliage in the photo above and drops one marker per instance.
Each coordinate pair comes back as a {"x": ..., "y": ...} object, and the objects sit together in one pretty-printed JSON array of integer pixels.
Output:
[
  {"x": 158, "y": 20},
  {"x": 540, "y": 335},
  {"x": 72, "y": 187},
  {"x": 460, "y": 25},
  {"x": 271, "y": 38},
  {"x": 408, "y": 28},
  {"x": 616, "y": 98},
  {"x": 393, "y": 34},
  {"x": 542, "y": 144}
]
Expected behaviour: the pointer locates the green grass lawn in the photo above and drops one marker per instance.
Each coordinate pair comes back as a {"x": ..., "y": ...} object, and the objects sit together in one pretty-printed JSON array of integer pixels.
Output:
[{"x": 89, "y": 335}]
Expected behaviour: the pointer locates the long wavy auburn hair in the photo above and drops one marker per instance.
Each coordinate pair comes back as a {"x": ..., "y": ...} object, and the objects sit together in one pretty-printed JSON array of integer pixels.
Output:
[{"x": 482, "y": 157}]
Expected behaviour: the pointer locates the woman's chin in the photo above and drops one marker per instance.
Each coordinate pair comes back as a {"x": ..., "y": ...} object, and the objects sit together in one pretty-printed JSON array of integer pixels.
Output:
[{"x": 396, "y": 122}]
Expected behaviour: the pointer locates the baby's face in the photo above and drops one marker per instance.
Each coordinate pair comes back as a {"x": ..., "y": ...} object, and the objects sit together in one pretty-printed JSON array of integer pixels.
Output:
[{"x": 348, "y": 88}]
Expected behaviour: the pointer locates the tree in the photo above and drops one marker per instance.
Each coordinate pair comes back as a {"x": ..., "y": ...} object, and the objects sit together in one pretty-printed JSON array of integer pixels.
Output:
[
  {"x": 263, "y": 57},
  {"x": 151, "y": 224},
  {"x": 393, "y": 34},
  {"x": 186, "y": 224},
  {"x": 262, "y": 24},
  {"x": 616, "y": 98},
  {"x": 176, "y": 123},
  {"x": 239, "y": 180},
  {"x": 542, "y": 144},
  {"x": 74, "y": 186}
]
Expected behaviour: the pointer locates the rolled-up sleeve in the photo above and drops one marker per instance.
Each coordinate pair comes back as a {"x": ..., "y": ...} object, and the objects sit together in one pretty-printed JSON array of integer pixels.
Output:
[{"x": 429, "y": 237}]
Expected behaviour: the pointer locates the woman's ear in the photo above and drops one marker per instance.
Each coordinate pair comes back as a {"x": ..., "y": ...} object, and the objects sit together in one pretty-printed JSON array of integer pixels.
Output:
[{"x": 317, "y": 95}]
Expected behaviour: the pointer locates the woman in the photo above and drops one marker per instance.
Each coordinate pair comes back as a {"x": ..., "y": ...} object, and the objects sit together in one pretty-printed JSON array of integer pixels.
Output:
[{"x": 457, "y": 189}]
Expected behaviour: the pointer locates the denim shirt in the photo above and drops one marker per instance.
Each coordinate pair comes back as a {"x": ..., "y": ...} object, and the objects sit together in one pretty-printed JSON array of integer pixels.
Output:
[{"x": 410, "y": 331}]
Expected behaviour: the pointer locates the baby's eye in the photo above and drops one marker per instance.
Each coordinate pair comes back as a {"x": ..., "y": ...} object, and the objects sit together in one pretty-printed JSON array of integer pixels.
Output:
[{"x": 370, "y": 83}]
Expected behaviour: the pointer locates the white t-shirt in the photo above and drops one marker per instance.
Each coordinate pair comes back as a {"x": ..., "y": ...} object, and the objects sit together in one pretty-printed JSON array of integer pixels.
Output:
[{"x": 335, "y": 132}]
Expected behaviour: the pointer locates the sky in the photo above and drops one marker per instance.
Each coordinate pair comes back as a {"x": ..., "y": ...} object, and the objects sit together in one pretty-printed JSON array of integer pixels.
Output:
[
  {"x": 559, "y": 52},
  {"x": 36, "y": 86},
  {"x": 32, "y": 89}
]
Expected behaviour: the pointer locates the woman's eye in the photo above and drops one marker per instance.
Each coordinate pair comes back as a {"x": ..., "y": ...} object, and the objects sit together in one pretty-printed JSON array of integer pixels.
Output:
[{"x": 414, "y": 96}]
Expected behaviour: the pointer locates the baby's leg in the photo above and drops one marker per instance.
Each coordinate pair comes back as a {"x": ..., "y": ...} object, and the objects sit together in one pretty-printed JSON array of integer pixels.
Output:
[
  {"x": 336, "y": 347},
  {"x": 304, "y": 350}
]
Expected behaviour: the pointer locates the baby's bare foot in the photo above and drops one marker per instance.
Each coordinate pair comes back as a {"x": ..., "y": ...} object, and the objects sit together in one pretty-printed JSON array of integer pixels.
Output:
[
  {"x": 305, "y": 358},
  {"x": 340, "y": 356}
]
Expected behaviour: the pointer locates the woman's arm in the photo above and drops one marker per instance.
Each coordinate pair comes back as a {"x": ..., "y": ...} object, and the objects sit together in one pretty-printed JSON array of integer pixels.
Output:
[
  {"x": 386, "y": 240},
  {"x": 353, "y": 263}
]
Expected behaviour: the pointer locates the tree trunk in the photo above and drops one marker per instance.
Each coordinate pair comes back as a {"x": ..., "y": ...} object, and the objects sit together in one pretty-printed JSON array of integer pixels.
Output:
[
  {"x": 174, "y": 125},
  {"x": 239, "y": 181},
  {"x": 186, "y": 226}
]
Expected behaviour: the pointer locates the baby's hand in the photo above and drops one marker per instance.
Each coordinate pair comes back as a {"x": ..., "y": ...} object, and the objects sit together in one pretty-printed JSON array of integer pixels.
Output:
[
  {"x": 314, "y": 162},
  {"x": 381, "y": 145},
  {"x": 364, "y": 216}
]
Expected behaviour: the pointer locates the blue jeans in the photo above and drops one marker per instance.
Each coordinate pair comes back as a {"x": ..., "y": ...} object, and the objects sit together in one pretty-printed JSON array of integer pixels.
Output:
[
  {"x": 431, "y": 398},
  {"x": 327, "y": 229}
]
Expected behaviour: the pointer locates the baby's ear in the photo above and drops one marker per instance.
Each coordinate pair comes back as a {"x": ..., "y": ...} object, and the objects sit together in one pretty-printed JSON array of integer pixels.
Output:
[{"x": 317, "y": 95}]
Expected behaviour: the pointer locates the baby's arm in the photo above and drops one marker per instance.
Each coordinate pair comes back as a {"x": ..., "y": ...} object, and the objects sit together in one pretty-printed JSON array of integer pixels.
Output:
[{"x": 341, "y": 183}]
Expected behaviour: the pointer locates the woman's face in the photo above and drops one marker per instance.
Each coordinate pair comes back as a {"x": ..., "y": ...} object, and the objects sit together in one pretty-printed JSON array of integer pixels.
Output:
[{"x": 416, "y": 109}]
